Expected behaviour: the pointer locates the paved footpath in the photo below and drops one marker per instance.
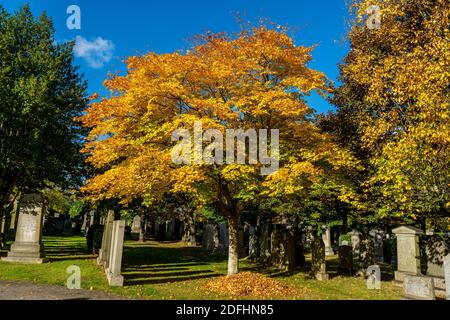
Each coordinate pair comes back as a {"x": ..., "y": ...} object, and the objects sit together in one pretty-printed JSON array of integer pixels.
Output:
[{"x": 14, "y": 290}]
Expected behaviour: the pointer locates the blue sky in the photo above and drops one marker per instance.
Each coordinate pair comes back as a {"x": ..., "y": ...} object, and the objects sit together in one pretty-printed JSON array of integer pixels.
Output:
[{"x": 112, "y": 30}]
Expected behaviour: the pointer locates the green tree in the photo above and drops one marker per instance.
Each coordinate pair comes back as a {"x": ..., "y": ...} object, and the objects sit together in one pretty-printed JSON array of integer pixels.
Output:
[{"x": 40, "y": 94}]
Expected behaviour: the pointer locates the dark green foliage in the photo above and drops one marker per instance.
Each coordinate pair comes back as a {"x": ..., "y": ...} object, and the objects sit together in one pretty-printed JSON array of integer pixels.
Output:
[{"x": 40, "y": 94}]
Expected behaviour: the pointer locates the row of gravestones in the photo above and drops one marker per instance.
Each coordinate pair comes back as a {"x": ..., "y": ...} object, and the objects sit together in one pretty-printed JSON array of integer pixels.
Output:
[
  {"x": 110, "y": 254},
  {"x": 28, "y": 247}
]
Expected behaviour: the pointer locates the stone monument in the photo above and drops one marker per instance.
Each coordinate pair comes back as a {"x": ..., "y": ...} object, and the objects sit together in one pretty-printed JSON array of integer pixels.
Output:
[
  {"x": 326, "y": 236},
  {"x": 28, "y": 247},
  {"x": 136, "y": 226},
  {"x": 408, "y": 253},
  {"x": 113, "y": 271},
  {"x": 103, "y": 254},
  {"x": 318, "y": 264}
]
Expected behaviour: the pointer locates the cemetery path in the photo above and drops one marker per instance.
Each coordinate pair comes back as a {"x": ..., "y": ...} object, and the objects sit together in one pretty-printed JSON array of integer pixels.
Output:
[{"x": 17, "y": 290}]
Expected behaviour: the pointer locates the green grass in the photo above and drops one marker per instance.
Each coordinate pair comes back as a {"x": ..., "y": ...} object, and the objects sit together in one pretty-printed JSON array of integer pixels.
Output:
[{"x": 171, "y": 270}]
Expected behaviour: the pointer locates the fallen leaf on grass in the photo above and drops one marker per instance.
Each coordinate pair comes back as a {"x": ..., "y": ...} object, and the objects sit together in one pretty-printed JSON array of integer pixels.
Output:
[{"x": 249, "y": 284}]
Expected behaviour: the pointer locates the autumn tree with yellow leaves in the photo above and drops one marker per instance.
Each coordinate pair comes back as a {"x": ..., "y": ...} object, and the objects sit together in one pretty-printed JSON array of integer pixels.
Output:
[
  {"x": 395, "y": 94},
  {"x": 254, "y": 80}
]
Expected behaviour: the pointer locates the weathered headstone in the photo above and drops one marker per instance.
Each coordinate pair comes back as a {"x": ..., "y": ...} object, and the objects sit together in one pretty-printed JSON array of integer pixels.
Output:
[
  {"x": 67, "y": 227},
  {"x": 208, "y": 236},
  {"x": 326, "y": 236},
  {"x": 85, "y": 225},
  {"x": 136, "y": 226},
  {"x": 265, "y": 241},
  {"x": 91, "y": 218},
  {"x": 223, "y": 237},
  {"x": 377, "y": 237},
  {"x": 318, "y": 264},
  {"x": 103, "y": 255},
  {"x": 28, "y": 247},
  {"x": 252, "y": 243},
  {"x": 113, "y": 272},
  {"x": 408, "y": 253},
  {"x": 356, "y": 241},
  {"x": 170, "y": 230},
  {"x": 345, "y": 260},
  {"x": 435, "y": 250},
  {"x": 366, "y": 255},
  {"x": 447, "y": 275},
  {"x": 418, "y": 288}
]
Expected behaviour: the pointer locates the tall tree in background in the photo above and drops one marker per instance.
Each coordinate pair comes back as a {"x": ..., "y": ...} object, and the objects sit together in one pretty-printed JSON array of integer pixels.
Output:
[
  {"x": 257, "y": 79},
  {"x": 40, "y": 94},
  {"x": 395, "y": 99}
]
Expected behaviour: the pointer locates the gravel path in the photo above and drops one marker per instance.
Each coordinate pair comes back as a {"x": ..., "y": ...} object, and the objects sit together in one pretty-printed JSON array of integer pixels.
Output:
[{"x": 14, "y": 290}]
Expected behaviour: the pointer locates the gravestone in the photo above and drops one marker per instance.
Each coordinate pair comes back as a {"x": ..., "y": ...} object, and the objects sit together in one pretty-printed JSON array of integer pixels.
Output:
[
  {"x": 171, "y": 230},
  {"x": 252, "y": 243},
  {"x": 282, "y": 248},
  {"x": 408, "y": 253},
  {"x": 377, "y": 237},
  {"x": 366, "y": 255},
  {"x": 447, "y": 275},
  {"x": 356, "y": 241},
  {"x": 113, "y": 272},
  {"x": 67, "y": 227},
  {"x": 318, "y": 264},
  {"x": 326, "y": 236},
  {"x": 265, "y": 242},
  {"x": 136, "y": 226},
  {"x": 103, "y": 254},
  {"x": 216, "y": 239},
  {"x": 435, "y": 250},
  {"x": 28, "y": 247},
  {"x": 208, "y": 236},
  {"x": 85, "y": 225},
  {"x": 91, "y": 218},
  {"x": 345, "y": 260},
  {"x": 223, "y": 237},
  {"x": 418, "y": 288}
]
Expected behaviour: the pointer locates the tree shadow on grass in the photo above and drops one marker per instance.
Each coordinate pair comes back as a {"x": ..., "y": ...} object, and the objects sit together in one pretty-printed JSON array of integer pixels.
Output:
[
  {"x": 150, "y": 264},
  {"x": 138, "y": 282}
]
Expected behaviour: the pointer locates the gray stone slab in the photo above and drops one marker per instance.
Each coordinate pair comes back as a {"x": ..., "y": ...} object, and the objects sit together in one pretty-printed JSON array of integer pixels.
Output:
[{"x": 419, "y": 288}]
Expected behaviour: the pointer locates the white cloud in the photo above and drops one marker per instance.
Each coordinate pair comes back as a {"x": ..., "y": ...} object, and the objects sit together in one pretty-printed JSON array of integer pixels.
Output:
[{"x": 97, "y": 52}]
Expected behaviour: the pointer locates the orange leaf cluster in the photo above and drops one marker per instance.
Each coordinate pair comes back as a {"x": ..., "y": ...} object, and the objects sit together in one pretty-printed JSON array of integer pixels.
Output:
[{"x": 251, "y": 285}]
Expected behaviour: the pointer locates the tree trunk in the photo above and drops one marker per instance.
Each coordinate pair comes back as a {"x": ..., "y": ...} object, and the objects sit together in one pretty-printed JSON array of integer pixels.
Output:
[{"x": 233, "y": 245}]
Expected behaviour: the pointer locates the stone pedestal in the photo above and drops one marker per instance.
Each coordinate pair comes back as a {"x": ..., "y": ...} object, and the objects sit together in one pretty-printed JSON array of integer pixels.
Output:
[
  {"x": 326, "y": 236},
  {"x": 103, "y": 254},
  {"x": 28, "y": 247},
  {"x": 408, "y": 253},
  {"x": 113, "y": 272}
]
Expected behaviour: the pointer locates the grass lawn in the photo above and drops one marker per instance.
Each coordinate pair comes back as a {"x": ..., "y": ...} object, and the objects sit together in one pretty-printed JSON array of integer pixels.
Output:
[{"x": 171, "y": 270}]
